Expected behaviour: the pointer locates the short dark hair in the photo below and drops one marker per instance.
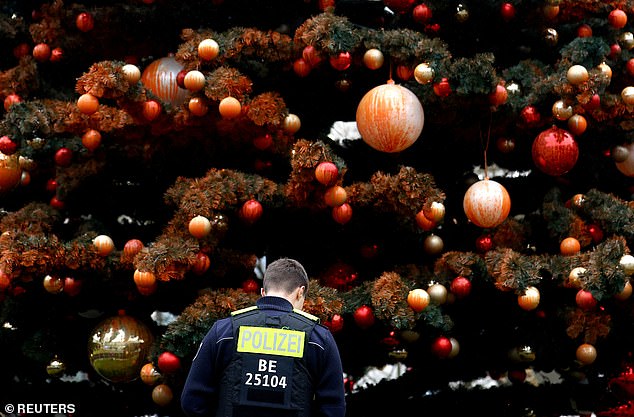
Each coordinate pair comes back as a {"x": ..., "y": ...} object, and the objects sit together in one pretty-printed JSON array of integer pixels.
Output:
[{"x": 286, "y": 275}]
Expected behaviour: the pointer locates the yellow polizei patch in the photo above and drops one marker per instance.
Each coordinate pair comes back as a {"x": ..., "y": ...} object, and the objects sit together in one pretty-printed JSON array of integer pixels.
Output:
[{"x": 271, "y": 341}]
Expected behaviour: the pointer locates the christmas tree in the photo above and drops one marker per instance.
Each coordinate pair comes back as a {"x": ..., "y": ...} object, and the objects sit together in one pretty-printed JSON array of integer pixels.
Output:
[{"x": 456, "y": 177}]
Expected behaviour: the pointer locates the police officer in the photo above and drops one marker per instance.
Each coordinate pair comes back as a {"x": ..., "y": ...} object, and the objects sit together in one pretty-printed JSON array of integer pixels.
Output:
[{"x": 271, "y": 359}]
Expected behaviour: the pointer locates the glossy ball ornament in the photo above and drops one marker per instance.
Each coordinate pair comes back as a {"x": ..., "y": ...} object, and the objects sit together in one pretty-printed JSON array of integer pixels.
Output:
[
  {"x": 341, "y": 61},
  {"x": 41, "y": 52},
  {"x": 423, "y": 222},
  {"x": 390, "y": 118},
  {"x": 63, "y": 157},
  {"x": 575, "y": 277},
  {"x": 132, "y": 247},
  {"x": 199, "y": 227},
  {"x": 56, "y": 367},
  {"x": 201, "y": 264},
  {"x": 7, "y": 145},
  {"x": 250, "y": 286},
  {"x": 577, "y": 124},
  {"x": 85, "y": 22},
  {"x": 437, "y": 293},
  {"x": 342, "y": 214},
  {"x": 291, "y": 123},
  {"x": 263, "y": 142},
  {"x": 586, "y": 354},
  {"x": 626, "y": 167},
  {"x": 53, "y": 284},
  {"x": 56, "y": 54},
  {"x": 118, "y": 347},
  {"x": 168, "y": 362},
  {"x": 251, "y": 211},
  {"x": 530, "y": 299},
  {"x": 441, "y": 347},
  {"x": 423, "y": 73},
  {"x": 421, "y": 13},
  {"x": 162, "y": 395},
  {"x": 335, "y": 196},
  {"x": 151, "y": 110},
  {"x": 435, "y": 211},
  {"x": 484, "y": 243},
  {"x": 584, "y": 31},
  {"x": 149, "y": 374},
  {"x": 627, "y": 264},
  {"x": 625, "y": 293},
  {"x": 487, "y": 203},
  {"x": 363, "y": 317},
  {"x": 551, "y": 36},
  {"x": 230, "y": 107},
  {"x": 144, "y": 278},
  {"x": 194, "y": 80},
  {"x": 505, "y": 145},
  {"x": 617, "y": 19},
  {"x": 326, "y": 173},
  {"x": 530, "y": 116},
  {"x": 499, "y": 95},
  {"x": 577, "y": 74},
  {"x": 561, "y": 110},
  {"x": 91, "y": 139},
  {"x": 132, "y": 73},
  {"x": 462, "y": 13},
  {"x": 160, "y": 78},
  {"x": 418, "y": 299},
  {"x": 197, "y": 106},
  {"x": 301, "y": 67},
  {"x": 72, "y": 286},
  {"x": 335, "y": 324},
  {"x": 10, "y": 100},
  {"x": 507, "y": 11},
  {"x": 404, "y": 72},
  {"x": 626, "y": 40},
  {"x": 555, "y": 151},
  {"x": 569, "y": 246},
  {"x": 208, "y": 49},
  {"x": 104, "y": 245},
  {"x": 373, "y": 59},
  {"x": 585, "y": 300},
  {"x": 595, "y": 233},
  {"x": 605, "y": 70},
  {"x": 433, "y": 245},
  {"x": 460, "y": 287},
  {"x": 87, "y": 103},
  {"x": 442, "y": 88},
  {"x": 310, "y": 55},
  {"x": 627, "y": 95}
]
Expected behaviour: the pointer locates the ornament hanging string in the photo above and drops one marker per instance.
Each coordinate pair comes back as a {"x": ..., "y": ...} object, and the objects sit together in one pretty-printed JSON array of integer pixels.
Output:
[{"x": 486, "y": 146}]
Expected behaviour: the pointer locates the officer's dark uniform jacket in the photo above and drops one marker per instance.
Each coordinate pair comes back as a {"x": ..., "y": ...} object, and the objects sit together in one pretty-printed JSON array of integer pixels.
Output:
[{"x": 266, "y": 361}]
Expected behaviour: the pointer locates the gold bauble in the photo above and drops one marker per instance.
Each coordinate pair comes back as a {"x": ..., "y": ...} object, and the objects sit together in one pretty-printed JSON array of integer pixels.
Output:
[
  {"x": 574, "y": 278},
  {"x": 551, "y": 37},
  {"x": 118, "y": 348},
  {"x": 433, "y": 245},
  {"x": 627, "y": 263},
  {"x": 56, "y": 367},
  {"x": 605, "y": 69},
  {"x": 373, "y": 59},
  {"x": 562, "y": 111},
  {"x": 423, "y": 73},
  {"x": 462, "y": 13},
  {"x": 628, "y": 95},
  {"x": 586, "y": 353},
  {"x": 577, "y": 74},
  {"x": 551, "y": 11},
  {"x": 625, "y": 293},
  {"x": 437, "y": 293},
  {"x": 626, "y": 40}
]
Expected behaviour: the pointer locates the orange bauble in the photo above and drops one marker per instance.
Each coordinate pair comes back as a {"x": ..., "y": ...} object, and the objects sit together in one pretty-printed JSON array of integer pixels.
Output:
[
  {"x": 251, "y": 211},
  {"x": 418, "y": 299},
  {"x": 373, "y": 59},
  {"x": 194, "y": 80},
  {"x": 151, "y": 110},
  {"x": 53, "y": 284},
  {"x": 625, "y": 293},
  {"x": 87, "y": 103},
  {"x": 229, "y": 107},
  {"x": 91, "y": 139},
  {"x": 342, "y": 214},
  {"x": 577, "y": 124},
  {"x": 10, "y": 172},
  {"x": 149, "y": 374},
  {"x": 160, "y": 78},
  {"x": 197, "y": 106},
  {"x": 335, "y": 196},
  {"x": 199, "y": 227},
  {"x": 326, "y": 173},
  {"x": 586, "y": 353},
  {"x": 404, "y": 72},
  {"x": 144, "y": 278},
  {"x": 104, "y": 245},
  {"x": 569, "y": 246},
  {"x": 291, "y": 124},
  {"x": 201, "y": 265},
  {"x": 162, "y": 395},
  {"x": 390, "y": 118},
  {"x": 301, "y": 67},
  {"x": 435, "y": 212},
  {"x": 208, "y": 49},
  {"x": 423, "y": 222},
  {"x": 132, "y": 247},
  {"x": 487, "y": 203},
  {"x": 530, "y": 299}
]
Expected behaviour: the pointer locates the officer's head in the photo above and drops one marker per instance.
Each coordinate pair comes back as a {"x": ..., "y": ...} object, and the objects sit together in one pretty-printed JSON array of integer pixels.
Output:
[{"x": 286, "y": 278}]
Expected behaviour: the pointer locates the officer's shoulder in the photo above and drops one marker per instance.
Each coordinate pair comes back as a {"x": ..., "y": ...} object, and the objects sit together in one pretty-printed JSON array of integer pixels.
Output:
[
  {"x": 243, "y": 310},
  {"x": 307, "y": 315}
]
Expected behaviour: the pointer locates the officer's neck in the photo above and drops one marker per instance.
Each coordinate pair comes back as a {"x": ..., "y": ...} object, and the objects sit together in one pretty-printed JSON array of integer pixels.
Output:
[{"x": 295, "y": 298}]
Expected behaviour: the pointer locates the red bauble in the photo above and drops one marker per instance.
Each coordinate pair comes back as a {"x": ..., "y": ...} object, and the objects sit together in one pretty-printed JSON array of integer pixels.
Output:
[
  {"x": 41, "y": 52},
  {"x": 301, "y": 67},
  {"x": 530, "y": 116},
  {"x": 617, "y": 19},
  {"x": 21, "y": 50},
  {"x": 342, "y": 214},
  {"x": 57, "y": 54},
  {"x": 7, "y": 146},
  {"x": 484, "y": 243},
  {"x": 585, "y": 300},
  {"x": 10, "y": 100},
  {"x": 390, "y": 118},
  {"x": 72, "y": 286},
  {"x": 487, "y": 203},
  {"x": 335, "y": 324},
  {"x": 91, "y": 139},
  {"x": 85, "y": 22},
  {"x": 340, "y": 276},
  {"x": 615, "y": 51},
  {"x": 132, "y": 247},
  {"x": 460, "y": 287},
  {"x": 555, "y": 151},
  {"x": 56, "y": 203},
  {"x": 507, "y": 10},
  {"x": 399, "y": 6},
  {"x": 421, "y": 13},
  {"x": 594, "y": 102},
  {"x": 584, "y": 31},
  {"x": 180, "y": 78},
  {"x": 441, "y": 347},
  {"x": 326, "y": 173},
  {"x": 63, "y": 157},
  {"x": 335, "y": 196},
  {"x": 499, "y": 96},
  {"x": 341, "y": 62},
  {"x": 201, "y": 265},
  {"x": 364, "y": 317},
  {"x": 442, "y": 88},
  {"x": 251, "y": 211},
  {"x": 596, "y": 233},
  {"x": 151, "y": 110},
  {"x": 160, "y": 78},
  {"x": 263, "y": 142},
  {"x": 51, "y": 186},
  {"x": 250, "y": 286},
  {"x": 168, "y": 362},
  {"x": 310, "y": 55}
]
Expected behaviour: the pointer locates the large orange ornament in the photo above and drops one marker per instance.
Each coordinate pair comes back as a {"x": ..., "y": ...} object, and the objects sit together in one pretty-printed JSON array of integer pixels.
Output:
[
  {"x": 390, "y": 118},
  {"x": 10, "y": 172},
  {"x": 418, "y": 299},
  {"x": 530, "y": 299},
  {"x": 229, "y": 107},
  {"x": 487, "y": 203},
  {"x": 160, "y": 78}
]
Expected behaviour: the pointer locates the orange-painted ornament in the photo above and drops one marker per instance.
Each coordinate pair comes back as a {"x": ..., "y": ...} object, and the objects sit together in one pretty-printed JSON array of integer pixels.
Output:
[
  {"x": 373, "y": 59},
  {"x": 132, "y": 73},
  {"x": 335, "y": 196},
  {"x": 301, "y": 67},
  {"x": 390, "y": 118},
  {"x": 91, "y": 139},
  {"x": 291, "y": 123},
  {"x": 53, "y": 284},
  {"x": 423, "y": 222},
  {"x": 229, "y": 107},
  {"x": 149, "y": 374},
  {"x": 104, "y": 245},
  {"x": 326, "y": 173},
  {"x": 569, "y": 246},
  {"x": 162, "y": 395},
  {"x": 160, "y": 78},
  {"x": 199, "y": 227},
  {"x": 194, "y": 80},
  {"x": 197, "y": 106},
  {"x": 342, "y": 214},
  {"x": 144, "y": 278},
  {"x": 151, "y": 110},
  {"x": 208, "y": 49},
  {"x": 487, "y": 203},
  {"x": 577, "y": 124},
  {"x": 87, "y": 103},
  {"x": 10, "y": 172},
  {"x": 586, "y": 353},
  {"x": 530, "y": 299},
  {"x": 418, "y": 299},
  {"x": 251, "y": 211}
]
